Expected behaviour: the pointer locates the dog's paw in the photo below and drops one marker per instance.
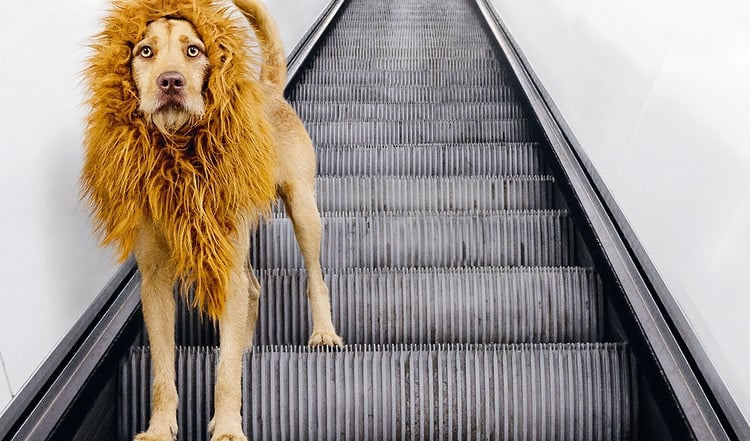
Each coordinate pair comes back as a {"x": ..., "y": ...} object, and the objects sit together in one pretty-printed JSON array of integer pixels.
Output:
[
  {"x": 229, "y": 437},
  {"x": 151, "y": 436},
  {"x": 226, "y": 430},
  {"x": 325, "y": 338}
]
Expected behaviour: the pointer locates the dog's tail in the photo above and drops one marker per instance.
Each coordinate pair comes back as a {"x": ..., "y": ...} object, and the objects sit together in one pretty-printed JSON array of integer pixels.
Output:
[{"x": 274, "y": 60}]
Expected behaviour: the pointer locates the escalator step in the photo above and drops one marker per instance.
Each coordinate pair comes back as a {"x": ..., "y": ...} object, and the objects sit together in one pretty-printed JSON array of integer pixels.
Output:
[
  {"x": 433, "y": 30},
  {"x": 390, "y": 52},
  {"x": 403, "y": 39},
  {"x": 314, "y": 111},
  {"x": 351, "y": 240},
  {"x": 498, "y": 159},
  {"x": 522, "y": 392},
  {"x": 436, "y": 305},
  {"x": 396, "y": 194},
  {"x": 326, "y": 94},
  {"x": 495, "y": 77},
  {"x": 421, "y": 132},
  {"x": 324, "y": 63}
]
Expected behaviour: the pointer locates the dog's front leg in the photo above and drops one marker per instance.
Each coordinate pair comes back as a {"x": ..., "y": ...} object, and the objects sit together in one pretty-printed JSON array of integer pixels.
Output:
[
  {"x": 227, "y": 422},
  {"x": 299, "y": 200},
  {"x": 159, "y": 314}
]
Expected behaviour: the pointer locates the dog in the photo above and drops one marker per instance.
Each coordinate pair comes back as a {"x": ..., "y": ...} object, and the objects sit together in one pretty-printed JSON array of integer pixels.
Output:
[{"x": 188, "y": 143}]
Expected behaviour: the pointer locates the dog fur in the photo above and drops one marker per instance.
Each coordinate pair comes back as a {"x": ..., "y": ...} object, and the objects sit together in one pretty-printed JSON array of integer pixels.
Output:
[{"x": 186, "y": 148}]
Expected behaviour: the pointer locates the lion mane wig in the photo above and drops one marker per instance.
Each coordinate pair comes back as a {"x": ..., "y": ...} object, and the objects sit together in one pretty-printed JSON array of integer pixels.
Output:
[{"x": 198, "y": 186}]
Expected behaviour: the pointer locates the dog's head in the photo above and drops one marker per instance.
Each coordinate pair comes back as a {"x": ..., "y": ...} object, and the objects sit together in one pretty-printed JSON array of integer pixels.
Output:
[
  {"x": 157, "y": 66},
  {"x": 171, "y": 64},
  {"x": 170, "y": 69}
]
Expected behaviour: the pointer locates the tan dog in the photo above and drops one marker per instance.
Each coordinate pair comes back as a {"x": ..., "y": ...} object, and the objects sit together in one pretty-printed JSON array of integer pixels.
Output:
[{"x": 185, "y": 152}]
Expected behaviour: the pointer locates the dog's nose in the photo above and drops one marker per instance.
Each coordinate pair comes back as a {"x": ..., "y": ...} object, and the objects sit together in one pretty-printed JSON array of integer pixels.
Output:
[{"x": 171, "y": 82}]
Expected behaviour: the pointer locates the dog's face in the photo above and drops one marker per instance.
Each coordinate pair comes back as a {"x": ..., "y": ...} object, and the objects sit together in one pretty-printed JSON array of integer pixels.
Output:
[{"x": 170, "y": 69}]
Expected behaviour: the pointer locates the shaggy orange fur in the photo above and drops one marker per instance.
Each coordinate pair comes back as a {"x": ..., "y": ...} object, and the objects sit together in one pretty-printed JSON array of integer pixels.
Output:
[{"x": 193, "y": 186}]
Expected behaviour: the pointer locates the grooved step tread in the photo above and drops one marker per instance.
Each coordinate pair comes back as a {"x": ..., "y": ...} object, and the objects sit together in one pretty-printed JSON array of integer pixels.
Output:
[
  {"x": 386, "y": 52},
  {"x": 404, "y": 194},
  {"x": 315, "y": 111},
  {"x": 324, "y": 63},
  {"x": 404, "y": 41},
  {"x": 351, "y": 240},
  {"x": 432, "y": 305},
  {"x": 396, "y": 95},
  {"x": 494, "y": 77},
  {"x": 575, "y": 392},
  {"x": 418, "y": 132},
  {"x": 466, "y": 159}
]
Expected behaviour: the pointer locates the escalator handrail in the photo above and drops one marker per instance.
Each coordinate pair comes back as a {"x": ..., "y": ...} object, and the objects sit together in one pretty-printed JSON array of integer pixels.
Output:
[
  {"x": 703, "y": 419},
  {"x": 36, "y": 411}
]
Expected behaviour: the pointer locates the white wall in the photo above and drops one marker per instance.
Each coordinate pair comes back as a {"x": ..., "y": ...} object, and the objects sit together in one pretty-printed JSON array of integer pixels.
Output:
[
  {"x": 50, "y": 265},
  {"x": 657, "y": 94}
]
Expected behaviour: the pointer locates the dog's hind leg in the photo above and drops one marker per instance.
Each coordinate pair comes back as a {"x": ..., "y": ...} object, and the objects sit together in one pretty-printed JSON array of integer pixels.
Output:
[
  {"x": 227, "y": 421},
  {"x": 159, "y": 314},
  {"x": 299, "y": 199},
  {"x": 252, "y": 305}
]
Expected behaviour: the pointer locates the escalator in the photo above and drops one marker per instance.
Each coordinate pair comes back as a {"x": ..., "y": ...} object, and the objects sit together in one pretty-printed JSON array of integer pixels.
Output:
[{"x": 470, "y": 283}]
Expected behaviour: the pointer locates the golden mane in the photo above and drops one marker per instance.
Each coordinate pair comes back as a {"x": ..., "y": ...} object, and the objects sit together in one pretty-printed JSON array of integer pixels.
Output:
[{"x": 197, "y": 188}]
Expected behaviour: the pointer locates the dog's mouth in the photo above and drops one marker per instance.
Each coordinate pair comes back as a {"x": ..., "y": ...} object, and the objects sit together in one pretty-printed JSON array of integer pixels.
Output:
[{"x": 171, "y": 102}]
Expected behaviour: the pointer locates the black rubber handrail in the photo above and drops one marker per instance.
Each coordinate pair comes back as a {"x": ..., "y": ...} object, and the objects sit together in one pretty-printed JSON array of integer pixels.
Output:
[
  {"x": 699, "y": 412},
  {"x": 41, "y": 405},
  {"x": 37, "y": 389}
]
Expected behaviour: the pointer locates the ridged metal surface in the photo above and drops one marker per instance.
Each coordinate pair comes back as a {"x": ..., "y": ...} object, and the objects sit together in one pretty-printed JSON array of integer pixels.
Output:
[
  {"x": 402, "y": 64},
  {"x": 575, "y": 392},
  {"x": 341, "y": 38},
  {"x": 395, "y": 94},
  {"x": 377, "y": 193},
  {"x": 434, "y": 305},
  {"x": 351, "y": 240},
  {"x": 414, "y": 132},
  {"x": 498, "y": 159},
  {"x": 313, "y": 111},
  {"x": 488, "y": 77}
]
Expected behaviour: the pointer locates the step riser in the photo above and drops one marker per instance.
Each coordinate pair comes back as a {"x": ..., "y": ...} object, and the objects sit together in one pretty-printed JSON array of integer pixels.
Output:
[
  {"x": 424, "y": 306},
  {"x": 406, "y": 241},
  {"x": 430, "y": 160},
  {"x": 314, "y": 111},
  {"x": 403, "y": 64},
  {"x": 375, "y": 30},
  {"x": 576, "y": 392},
  {"x": 400, "y": 41},
  {"x": 399, "y": 95},
  {"x": 385, "y": 52},
  {"x": 444, "y": 194},
  {"x": 394, "y": 132},
  {"x": 404, "y": 78}
]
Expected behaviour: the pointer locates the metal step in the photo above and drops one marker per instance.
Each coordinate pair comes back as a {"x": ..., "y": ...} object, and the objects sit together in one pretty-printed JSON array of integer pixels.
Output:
[
  {"x": 404, "y": 40},
  {"x": 395, "y": 95},
  {"x": 351, "y": 240},
  {"x": 433, "y": 30},
  {"x": 391, "y": 52},
  {"x": 327, "y": 63},
  {"x": 408, "y": 194},
  {"x": 493, "y": 159},
  {"x": 421, "y": 132},
  {"x": 314, "y": 111},
  {"x": 576, "y": 392},
  {"x": 432, "y": 305},
  {"x": 497, "y": 77}
]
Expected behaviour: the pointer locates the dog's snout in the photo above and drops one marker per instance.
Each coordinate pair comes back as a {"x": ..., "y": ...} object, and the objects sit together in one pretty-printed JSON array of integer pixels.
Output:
[{"x": 171, "y": 81}]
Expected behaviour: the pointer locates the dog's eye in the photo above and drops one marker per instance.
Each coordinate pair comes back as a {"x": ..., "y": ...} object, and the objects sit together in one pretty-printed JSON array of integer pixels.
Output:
[
  {"x": 193, "y": 51},
  {"x": 146, "y": 52}
]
